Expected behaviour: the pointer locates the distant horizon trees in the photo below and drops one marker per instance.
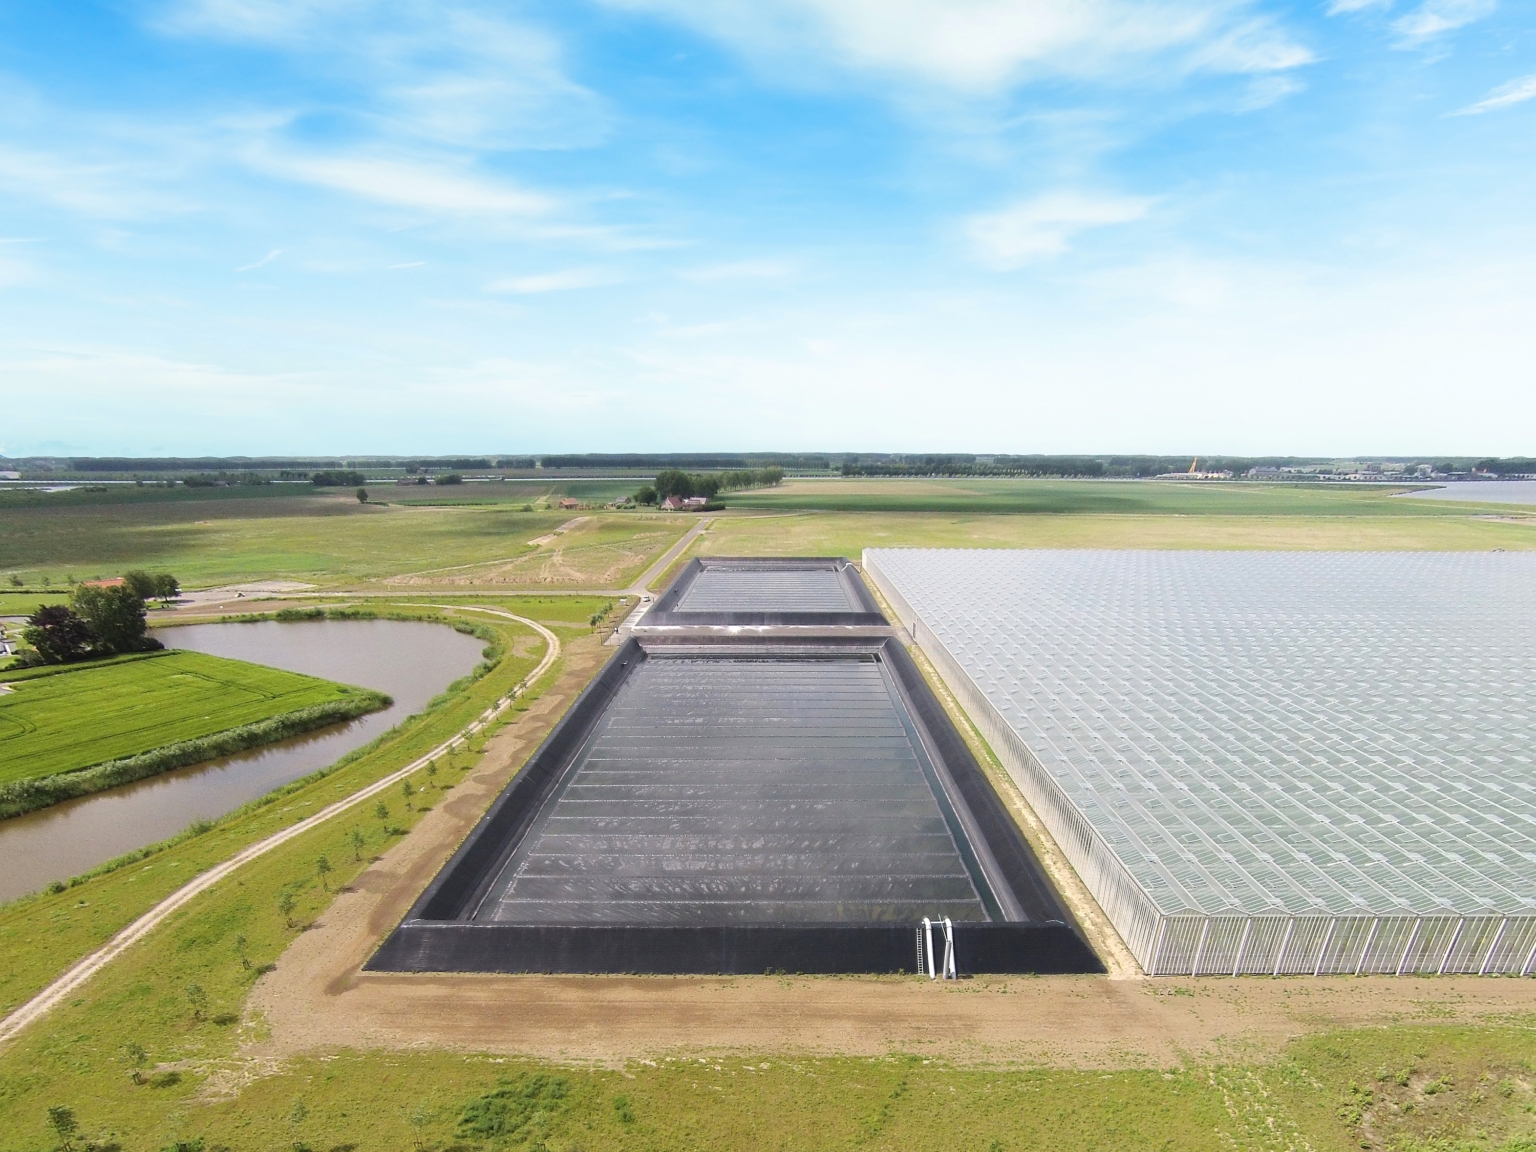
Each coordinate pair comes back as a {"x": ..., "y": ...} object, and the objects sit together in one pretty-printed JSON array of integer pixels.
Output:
[
  {"x": 676, "y": 482},
  {"x": 338, "y": 478}
]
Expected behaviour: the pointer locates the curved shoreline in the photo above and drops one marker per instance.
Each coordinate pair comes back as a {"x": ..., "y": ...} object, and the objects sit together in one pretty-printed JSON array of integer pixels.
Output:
[{"x": 23, "y": 796}]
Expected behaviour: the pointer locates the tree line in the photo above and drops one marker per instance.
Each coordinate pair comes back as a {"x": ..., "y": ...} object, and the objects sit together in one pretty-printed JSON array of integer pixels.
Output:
[
  {"x": 98, "y": 621},
  {"x": 676, "y": 482}
]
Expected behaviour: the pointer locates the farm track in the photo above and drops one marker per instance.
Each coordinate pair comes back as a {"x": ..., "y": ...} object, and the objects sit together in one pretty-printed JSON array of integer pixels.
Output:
[{"x": 77, "y": 975}]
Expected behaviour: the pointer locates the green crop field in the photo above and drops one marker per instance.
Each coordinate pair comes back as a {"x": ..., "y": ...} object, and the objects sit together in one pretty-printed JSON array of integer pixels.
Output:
[
  {"x": 1068, "y": 497},
  {"x": 325, "y": 538},
  {"x": 86, "y": 714}
]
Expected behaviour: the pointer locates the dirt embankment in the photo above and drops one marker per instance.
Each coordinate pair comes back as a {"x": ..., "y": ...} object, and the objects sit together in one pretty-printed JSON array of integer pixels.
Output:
[{"x": 318, "y": 999}]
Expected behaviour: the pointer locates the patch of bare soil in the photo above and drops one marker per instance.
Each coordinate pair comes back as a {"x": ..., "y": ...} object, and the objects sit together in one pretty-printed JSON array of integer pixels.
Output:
[{"x": 318, "y": 998}]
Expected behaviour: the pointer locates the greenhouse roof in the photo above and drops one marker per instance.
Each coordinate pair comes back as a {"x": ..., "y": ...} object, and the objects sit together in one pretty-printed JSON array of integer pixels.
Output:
[{"x": 1260, "y": 733}]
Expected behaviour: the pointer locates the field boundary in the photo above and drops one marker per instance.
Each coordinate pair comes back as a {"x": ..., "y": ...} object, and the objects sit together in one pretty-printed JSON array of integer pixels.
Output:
[{"x": 63, "y": 986}]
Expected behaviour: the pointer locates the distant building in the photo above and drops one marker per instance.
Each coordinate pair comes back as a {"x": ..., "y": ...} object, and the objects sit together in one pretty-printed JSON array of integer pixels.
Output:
[
  {"x": 10, "y": 475},
  {"x": 567, "y": 503},
  {"x": 112, "y": 583},
  {"x": 685, "y": 503}
]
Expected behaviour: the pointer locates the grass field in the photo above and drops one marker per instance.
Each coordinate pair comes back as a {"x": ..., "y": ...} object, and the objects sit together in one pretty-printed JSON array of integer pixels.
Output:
[
  {"x": 849, "y": 533},
  {"x": 1069, "y": 497},
  {"x": 514, "y": 491},
  {"x": 589, "y": 551},
  {"x": 460, "y": 537},
  {"x": 324, "y": 538},
  {"x": 26, "y": 603},
  {"x": 85, "y": 714}
]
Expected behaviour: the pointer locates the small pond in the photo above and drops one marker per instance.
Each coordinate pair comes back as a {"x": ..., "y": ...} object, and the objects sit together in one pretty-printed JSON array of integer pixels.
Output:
[{"x": 411, "y": 660}]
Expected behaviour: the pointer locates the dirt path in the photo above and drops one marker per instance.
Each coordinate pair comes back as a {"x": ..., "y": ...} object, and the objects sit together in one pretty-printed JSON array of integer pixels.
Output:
[
  {"x": 642, "y": 584},
  {"x": 318, "y": 999},
  {"x": 73, "y": 978}
]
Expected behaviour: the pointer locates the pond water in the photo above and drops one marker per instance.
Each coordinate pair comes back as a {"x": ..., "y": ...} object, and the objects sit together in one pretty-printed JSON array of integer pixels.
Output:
[{"x": 413, "y": 661}]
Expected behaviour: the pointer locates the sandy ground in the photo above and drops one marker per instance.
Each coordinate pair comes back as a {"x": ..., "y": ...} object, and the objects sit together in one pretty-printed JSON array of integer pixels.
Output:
[{"x": 318, "y": 999}]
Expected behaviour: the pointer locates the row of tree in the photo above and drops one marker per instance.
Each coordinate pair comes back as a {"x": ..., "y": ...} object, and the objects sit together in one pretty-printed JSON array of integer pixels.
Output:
[
  {"x": 676, "y": 482},
  {"x": 98, "y": 620}
]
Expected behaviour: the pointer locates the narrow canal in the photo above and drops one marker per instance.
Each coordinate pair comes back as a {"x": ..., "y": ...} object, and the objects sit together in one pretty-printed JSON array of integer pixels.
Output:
[{"x": 413, "y": 661}]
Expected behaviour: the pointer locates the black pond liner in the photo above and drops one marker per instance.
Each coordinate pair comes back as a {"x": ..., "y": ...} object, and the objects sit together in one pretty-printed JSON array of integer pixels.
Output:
[
  {"x": 809, "y": 592},
  {"x": 1016, "y": 921}
]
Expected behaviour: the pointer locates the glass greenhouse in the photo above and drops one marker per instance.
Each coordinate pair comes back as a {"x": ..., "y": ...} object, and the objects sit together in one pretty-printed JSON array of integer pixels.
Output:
[{"x": 1261, "y": 762}]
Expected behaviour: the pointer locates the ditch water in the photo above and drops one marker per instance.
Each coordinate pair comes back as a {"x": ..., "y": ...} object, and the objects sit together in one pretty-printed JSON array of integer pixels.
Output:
[{"x": 413, "y": 661}]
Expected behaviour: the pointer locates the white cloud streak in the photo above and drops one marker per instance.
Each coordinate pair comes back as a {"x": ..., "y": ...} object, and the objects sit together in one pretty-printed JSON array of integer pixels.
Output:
[
  {"x": 740, "y": 270},
  {"x": 565, "y": 280},
  {"x": 1045, "y": 226},
  {"x": 1340, "y": 7},
  {"x": 262, "y": 263},
  {"x": 442, "y": 187},
  {"x": 100, "y": 188},
  {"x": 982, "y": 46},
  {"x": 1437, "y": 17},
  {"x": 1505, "y": 95}
]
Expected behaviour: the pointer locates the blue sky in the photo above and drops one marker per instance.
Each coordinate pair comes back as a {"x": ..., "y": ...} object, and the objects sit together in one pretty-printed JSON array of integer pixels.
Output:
[{"x": 272, "y": 226}]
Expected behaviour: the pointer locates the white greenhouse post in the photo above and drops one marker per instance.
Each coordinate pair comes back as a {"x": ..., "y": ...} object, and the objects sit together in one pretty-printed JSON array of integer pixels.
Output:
[
  {"x": 1370, "y": 938},
  {"x": 1242, "y": 947},
  {"x": 928, "y": 939},
  {"x": 950, "y": 973},
  {"x": 1413, "y": 938},
  {"x": 1157, "y": 947},
  {"x": 1290, "y": 930},
  {"x": 1322, "y": 953},
  {"x": 1525, "y": 969},
  {"x": 1205, "y": 934},
  {"x": 1498, "y": 937},
  {"x": 1451, "y": 947}
]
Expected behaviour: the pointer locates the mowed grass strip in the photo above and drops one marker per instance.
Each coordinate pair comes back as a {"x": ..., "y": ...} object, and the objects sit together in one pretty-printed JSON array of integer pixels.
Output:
[{"x": 90, "y": 714}]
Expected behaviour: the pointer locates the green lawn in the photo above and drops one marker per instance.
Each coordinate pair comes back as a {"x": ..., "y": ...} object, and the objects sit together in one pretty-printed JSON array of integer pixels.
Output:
[{"x": 87, "y": 714}]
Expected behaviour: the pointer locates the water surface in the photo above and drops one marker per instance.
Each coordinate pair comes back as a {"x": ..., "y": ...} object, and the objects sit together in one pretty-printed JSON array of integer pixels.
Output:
[
  {"x": 412, "y": 661},
  {"x": 1481, "y": 492}
]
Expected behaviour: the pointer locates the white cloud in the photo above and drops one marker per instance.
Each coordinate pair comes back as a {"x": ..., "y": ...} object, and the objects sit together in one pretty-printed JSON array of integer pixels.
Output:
[
  {"x": 104, "y": 188},
  {"x": 14, "y": 272},
  {"x": 741, "y": 270},
  {"x": 1046, "y": 226},
  {"x": 263, "y": 262},
  {"x": 562, "y": 281},
  {"x": 1515, "y": 92},
  {"x": 985, "y": 45},
  {"x": 1252, "y": 46},
  {"x": 1262, "y": 91},
  {"x": 452, "y": 74},
  {"x": 1339, "y": 7},
  {"x": 263, "y": 20},
  {"x": 1437, "y": 17},
  {"x": 442, "y": 187}
]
